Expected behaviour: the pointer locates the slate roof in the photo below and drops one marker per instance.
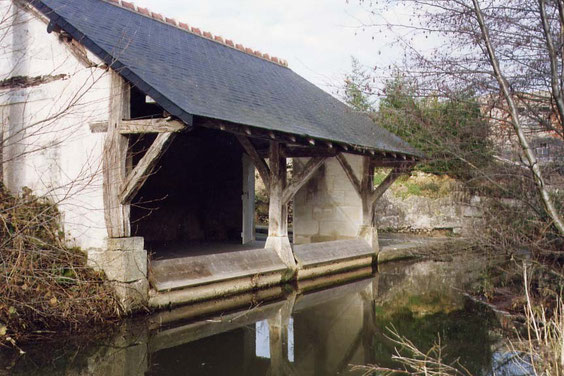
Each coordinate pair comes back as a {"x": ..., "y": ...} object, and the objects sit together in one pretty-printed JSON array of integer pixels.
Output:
[{"x": 188, "y": 74}]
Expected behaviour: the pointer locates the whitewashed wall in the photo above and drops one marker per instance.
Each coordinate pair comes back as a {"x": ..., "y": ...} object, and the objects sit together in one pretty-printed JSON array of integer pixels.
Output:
[
  {"x": 48, "y": 145},
  {"x": 328, "y": 207}
]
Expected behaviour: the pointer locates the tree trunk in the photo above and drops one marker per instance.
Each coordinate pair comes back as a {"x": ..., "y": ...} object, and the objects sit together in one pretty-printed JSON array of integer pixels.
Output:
[{"x": 515, "y": 121}]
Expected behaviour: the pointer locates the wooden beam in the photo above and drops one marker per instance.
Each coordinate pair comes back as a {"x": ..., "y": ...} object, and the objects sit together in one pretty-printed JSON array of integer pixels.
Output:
[
  {"x": 99, "y": 126},
  {"x": 114, "y": 159},
  {"x": 388, "y": 181},
  {"x": 302, "y": 178},
  {"x": 350, "y": 173},
  {"x": 155, "y": 125},
  {"x": 301, "y": 152},
  {"x": 258, "y": 161},
  {"x": 144, "y": 168}
]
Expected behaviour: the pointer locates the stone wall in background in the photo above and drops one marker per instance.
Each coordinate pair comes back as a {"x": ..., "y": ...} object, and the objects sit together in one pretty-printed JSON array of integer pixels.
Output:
[{"x": 424, "y": 203}]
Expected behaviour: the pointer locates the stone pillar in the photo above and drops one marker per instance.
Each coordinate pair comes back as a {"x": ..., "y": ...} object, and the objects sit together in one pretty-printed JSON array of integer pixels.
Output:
[
  {"x": 277, "y": 210},
  {"x": 124, "y": 263},
  {"x": 126, "y": 354}
]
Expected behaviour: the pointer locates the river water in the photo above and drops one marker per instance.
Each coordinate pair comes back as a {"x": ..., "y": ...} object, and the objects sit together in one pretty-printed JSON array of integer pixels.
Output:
[{"x": 309, "y": 331}]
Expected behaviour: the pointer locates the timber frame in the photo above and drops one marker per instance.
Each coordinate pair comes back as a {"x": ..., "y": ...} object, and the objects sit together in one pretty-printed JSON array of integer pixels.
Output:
[
  {"x": 364, "y": 187},
  {"x": 122, "y": 181}
]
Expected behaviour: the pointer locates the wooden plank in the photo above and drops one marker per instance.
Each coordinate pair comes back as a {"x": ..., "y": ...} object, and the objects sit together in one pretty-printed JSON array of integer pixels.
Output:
[
  {"x": 349, "y": 172},
  {"x": 300, "y": 179},
  {"x": 155, "y": 125},
  {"x": 114, "y": 157},
  {"x": 258, "y": 161},
  {"x": 144, "y": 168}
]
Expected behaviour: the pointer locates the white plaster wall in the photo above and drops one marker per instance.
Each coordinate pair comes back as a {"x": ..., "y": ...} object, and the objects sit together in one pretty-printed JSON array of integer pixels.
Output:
[
  {"x": 47, "y": 142},
  {"x": 327, "y": 207}
]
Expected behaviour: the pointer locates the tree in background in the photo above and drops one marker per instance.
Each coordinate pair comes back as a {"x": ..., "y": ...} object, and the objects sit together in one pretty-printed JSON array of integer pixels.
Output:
[
  {"x": 452, "y": 132},
  {"x": 358, "y": 88},
  {"x": 507, "y": 49}
]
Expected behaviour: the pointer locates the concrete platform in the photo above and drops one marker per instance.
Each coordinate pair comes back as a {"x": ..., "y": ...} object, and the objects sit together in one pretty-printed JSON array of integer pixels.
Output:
[
  {"x": 394, "y": 246},
  {"x": 220, "y": 270},
  {"x": 197, "y": 278},
  {"x": 332, "y": 257},
  {"x": 183, "y": 272}
]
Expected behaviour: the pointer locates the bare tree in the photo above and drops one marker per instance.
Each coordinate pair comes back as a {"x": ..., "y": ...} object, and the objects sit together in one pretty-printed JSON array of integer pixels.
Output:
[{"x": 511, "y": 49}]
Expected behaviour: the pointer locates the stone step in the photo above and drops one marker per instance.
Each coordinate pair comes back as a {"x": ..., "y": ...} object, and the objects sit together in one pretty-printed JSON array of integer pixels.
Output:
[{"x": 193, "y": 271}]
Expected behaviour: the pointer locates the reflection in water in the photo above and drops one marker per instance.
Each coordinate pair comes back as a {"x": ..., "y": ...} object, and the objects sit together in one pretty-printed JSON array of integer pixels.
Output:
[{"x": 309, "y": 333}]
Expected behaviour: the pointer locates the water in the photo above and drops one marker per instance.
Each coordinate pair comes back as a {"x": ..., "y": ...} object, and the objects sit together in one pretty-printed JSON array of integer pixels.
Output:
[{"x": 309, "y": 332}]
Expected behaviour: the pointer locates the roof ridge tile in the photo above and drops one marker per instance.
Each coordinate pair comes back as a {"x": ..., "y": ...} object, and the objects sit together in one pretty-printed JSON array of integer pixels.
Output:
[{"x": 196, "y": 31}]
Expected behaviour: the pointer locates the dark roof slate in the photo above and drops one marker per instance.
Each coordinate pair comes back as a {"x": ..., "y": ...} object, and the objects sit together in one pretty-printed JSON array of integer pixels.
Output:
[{"x": 188, "y": 74}]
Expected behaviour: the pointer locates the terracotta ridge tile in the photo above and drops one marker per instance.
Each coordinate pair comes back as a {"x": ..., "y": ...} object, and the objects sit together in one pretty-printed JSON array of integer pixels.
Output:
[{"x": 194, "y": 30}]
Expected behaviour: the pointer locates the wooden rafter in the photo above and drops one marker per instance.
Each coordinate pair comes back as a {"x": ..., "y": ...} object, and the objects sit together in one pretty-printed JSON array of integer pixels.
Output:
[
  {"x": 156, "y": 125},
  {"x": 300, "y": 179},
  {"x": 304, "y": 146},
  {"x": 258, "y": 161},
  {"x": 144, "y": 168}
]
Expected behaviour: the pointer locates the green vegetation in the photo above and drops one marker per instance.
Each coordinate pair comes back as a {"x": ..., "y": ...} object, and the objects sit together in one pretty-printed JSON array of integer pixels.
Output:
[
  {"x": 450, "y": 131},
  {"x": 358, "y": 88},
  {"x": 418, "y": 184}
]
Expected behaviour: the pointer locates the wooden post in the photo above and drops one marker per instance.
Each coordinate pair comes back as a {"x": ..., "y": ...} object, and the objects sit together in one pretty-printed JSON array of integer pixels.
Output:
[
  {"x": 369, "y": 195},
  {"x": 367, "y": 229},
  {"x": 278, "y": 327},
  {"x": 277, "y": 209},
  {"x": 115, "y": 161}
]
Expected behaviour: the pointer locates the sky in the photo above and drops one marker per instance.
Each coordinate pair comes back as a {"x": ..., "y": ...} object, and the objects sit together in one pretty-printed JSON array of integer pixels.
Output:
[{"x": 316, "y": 37}]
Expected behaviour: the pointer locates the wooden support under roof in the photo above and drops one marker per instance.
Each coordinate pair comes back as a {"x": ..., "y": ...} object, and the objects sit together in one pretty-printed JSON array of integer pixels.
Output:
[
  {"x": 301, "y": 152},
  {"x": 350, "y": 173},
  {"x": 364, "y": 185},
  {"x": 154, "y": 125},
  {"x": 116, "y": 214},
  {"x": 137, "y": 177},
  {"x": 258, "y": 161},
  {"x": 301, "y": 178},
  {"x": 294, "y": 146}
]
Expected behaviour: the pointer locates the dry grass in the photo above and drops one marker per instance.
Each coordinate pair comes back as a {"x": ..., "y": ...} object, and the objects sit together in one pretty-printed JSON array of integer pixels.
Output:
[
  {"x": 540, "y": 349},
  {"x": 544, "y": 342},
  {"x": 46, "y": 286},
  {"x": 414, "y": 361}
]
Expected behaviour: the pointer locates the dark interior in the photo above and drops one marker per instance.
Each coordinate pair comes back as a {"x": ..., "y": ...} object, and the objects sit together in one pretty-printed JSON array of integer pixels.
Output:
[{"x": 193, "y": 195}]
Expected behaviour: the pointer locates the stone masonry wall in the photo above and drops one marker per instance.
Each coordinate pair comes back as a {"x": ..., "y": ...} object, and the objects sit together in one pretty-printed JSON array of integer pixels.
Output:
[{"x": 419, "y": 213}]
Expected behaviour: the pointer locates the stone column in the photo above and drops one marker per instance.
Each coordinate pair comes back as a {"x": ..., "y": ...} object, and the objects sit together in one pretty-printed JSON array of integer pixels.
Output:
[{"x": 124, "y": 263}]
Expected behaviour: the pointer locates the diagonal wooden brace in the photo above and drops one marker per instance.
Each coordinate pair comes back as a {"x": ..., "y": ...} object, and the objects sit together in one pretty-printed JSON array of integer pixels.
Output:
[
  {"x": 144, "y": 168},
  {"x": 300, "y": 179},
  {"x": 260, "y": 164},
  {"x": 350, "y": 173}
]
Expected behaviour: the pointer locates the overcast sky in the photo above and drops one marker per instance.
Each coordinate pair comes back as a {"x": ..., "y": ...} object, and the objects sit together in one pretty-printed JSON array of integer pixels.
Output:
[{"x": 317, "y": 37}]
